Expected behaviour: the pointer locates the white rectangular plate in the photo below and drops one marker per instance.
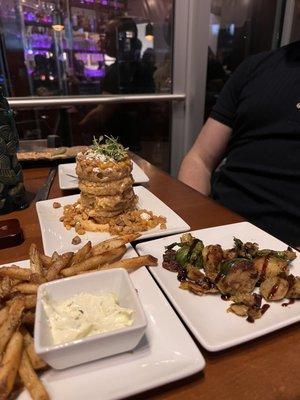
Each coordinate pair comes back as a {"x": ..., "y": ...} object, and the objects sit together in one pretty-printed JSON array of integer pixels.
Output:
[
  {"x": 166, "y": 353},
  {"x": 57, "y": 237},
  {"x": 206, "y": 316},
  {"x": 67, "y": 176}
]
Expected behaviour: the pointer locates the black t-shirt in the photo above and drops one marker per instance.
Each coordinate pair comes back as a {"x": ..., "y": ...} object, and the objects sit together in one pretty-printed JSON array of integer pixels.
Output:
[{"x": 260, "y": 178}]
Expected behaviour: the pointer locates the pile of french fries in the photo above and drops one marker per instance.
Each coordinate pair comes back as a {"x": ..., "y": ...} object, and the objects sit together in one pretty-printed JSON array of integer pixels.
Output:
[{"x": 19, "y": 363}]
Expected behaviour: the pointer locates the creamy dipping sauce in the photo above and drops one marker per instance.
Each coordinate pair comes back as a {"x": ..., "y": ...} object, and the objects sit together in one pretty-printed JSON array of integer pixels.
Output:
[{"x": 85, "y": 314}]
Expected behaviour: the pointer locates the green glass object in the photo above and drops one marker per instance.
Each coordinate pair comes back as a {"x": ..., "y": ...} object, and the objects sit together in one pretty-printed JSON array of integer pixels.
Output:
[{"x": 12, "y": 191}]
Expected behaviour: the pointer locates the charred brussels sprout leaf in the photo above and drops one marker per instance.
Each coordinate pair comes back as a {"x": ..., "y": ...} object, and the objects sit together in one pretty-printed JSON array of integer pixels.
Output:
[
  {"x": 199, "y": 262},
  {"x": 267, "y": 252},
  {"x": 187, "y": 238},
  {"x": 172, "y": 245},
  {"x": 182, "y": 255},
  {"x": 196, "y": 257},
  {"x": 244, "y": 250},
  {"x": 189, "y": 252},
  {"x": 227, "y": 265},
  {"x": 239, "y": 245}
]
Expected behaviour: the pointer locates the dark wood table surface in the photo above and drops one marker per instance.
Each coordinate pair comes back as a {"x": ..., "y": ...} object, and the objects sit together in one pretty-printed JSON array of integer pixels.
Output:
[{"x": 267, "y": 368}]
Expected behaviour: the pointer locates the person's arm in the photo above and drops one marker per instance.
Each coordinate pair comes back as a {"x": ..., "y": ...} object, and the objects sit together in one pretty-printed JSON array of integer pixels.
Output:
[
  {"x": 210, "y": 146},
  {"x": 205, "y": 155},
  {"x": 99, "y": 115}
]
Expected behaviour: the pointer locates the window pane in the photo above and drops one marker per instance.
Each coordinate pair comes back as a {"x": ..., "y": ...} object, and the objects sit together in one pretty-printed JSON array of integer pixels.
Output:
[
  {"x": 237, "y": 30},
  {"x": 87, "y": 46},
  {"x": 143, "y": 127},
  {"x": 90, "y": 47},
  {"x": 295, "y": 35}
]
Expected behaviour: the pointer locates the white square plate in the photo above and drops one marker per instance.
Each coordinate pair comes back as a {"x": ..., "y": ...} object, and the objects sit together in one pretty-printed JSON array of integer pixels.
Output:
[
  {"x": 57, "y": 237},
  {"x": 166, "y": 353},
  {"x": 67, "y": 176},
  {"x": 206, "y": 315}
]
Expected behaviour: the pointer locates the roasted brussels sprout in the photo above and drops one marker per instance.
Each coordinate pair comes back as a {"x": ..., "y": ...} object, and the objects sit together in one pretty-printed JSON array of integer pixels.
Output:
[
  {"x": 245, "y": 250},
  {"x": 200, "y": 287},
  {"x": 189, "y": 252},
  {"x": 270, "y": 266},
  {"x": 236, "y": 276},
  {"x": 212, "y": 257},
  {"x": 182, "y": 255},
  {"x": 294, "y": 287},
  {"x": 287, "y": 255},
  {"x": 169, "y": 260},
  {"x": 275, "y": 288}
]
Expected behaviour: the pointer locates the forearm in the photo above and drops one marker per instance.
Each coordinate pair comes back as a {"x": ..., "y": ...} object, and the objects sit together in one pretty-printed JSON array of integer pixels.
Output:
[
  {"x": 99, "y": 115},
  {"x": 193, "y": 172},
  {"x": 205, "y": 155}
]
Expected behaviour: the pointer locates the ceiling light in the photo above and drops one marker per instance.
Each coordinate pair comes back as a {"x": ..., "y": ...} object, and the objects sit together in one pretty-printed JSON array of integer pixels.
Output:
[
  {"x": 58, "y": 27},
  {"x": 149, "y": 32},
  {"x": 57, "y": 19}
]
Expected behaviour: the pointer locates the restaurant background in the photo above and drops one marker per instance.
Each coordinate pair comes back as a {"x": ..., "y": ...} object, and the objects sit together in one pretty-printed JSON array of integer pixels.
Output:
[{"x": 129, "y": 47}]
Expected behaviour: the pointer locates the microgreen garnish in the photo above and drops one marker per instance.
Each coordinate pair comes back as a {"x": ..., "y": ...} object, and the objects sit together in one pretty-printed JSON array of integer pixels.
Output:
[{"x": 110, "y": 148}]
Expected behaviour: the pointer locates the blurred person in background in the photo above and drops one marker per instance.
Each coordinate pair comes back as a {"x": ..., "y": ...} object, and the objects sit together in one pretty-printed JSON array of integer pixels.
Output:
[
  {"x": 127, "y": 74},
  {"x": 247, "y": 154}
]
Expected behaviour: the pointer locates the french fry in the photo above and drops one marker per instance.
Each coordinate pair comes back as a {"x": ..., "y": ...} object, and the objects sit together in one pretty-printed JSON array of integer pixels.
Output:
[
  {"x": 36, "y": 361},
  {"x": 134, "y": 262},
  {"x": 3, "y": 314},
  {"x": 28, "y": 300},
  {"x": 25, "y": 288},
  {"x": 58, "y": 265},
  {"x": 37, "y": 278},
  {"x": 10, "y": 364},
  {"x": 11, "y": 323},
  {"x": 30, "y": 379},
  {"x": 5, "y": 287},
  {"x": 28, "y": 318},
  {"x": 68, "y": 257},
  {"x": 95, "y": 261},
  {"x": 14, "y": 272},
  {"x": 46, "y": 261},
  {"x": 18, "y": 275},
  {"x": 113, "y": 243},
  {"x": 14, "y": 281},
  {"x": 82, "y": 253},
  {"x": 55, "y": 257},
  {"x": 35, "y": 261}
]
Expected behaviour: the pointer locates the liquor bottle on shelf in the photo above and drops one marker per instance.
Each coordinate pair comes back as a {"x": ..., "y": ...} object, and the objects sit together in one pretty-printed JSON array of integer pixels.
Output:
[{"x": 12, "y": 191}]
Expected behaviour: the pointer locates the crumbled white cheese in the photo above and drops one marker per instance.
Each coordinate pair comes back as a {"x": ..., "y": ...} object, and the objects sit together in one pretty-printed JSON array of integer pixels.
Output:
[
  {"x": 145, "y": 216},
  {"x": 96, "y": 170},
  {"x": 90, "y": 154}
]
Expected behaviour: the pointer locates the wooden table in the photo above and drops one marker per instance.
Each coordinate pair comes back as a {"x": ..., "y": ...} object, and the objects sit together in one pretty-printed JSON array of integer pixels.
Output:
[{"x": 267, "y": 368}]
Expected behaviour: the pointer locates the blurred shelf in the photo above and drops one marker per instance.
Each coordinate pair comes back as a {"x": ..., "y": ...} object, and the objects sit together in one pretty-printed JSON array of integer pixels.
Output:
[
  {"x": 35, "y": 23},
  {"x": 87, "y": 51}
]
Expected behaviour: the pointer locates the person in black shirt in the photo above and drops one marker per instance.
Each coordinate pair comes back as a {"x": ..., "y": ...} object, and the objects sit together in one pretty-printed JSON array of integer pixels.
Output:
[{"x": 255, "y": 129}]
